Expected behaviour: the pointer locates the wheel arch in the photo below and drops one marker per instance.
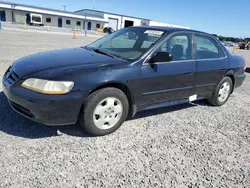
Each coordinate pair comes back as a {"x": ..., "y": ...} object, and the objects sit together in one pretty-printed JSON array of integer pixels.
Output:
[
  {"x": 230, "y": 74},
  {"x": 124, "y": 88}
]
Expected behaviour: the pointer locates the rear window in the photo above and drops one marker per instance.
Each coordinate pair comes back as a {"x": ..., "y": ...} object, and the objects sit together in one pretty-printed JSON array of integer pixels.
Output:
[{"x": 36, "y": 18}]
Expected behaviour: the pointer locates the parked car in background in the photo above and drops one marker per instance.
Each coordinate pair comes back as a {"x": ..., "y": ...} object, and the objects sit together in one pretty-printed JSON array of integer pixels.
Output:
[
  {"x": 245, "y": 45},
  {"x": 108, "y": 30},
  {"x": 35, "y": 19},
  {"x": 100, "y": 84},
  {"x": 228, "y": 44}
]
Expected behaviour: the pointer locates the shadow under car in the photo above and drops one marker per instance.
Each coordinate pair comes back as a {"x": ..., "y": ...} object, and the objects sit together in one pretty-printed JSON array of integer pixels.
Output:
[{"x": 14, "y": 124}]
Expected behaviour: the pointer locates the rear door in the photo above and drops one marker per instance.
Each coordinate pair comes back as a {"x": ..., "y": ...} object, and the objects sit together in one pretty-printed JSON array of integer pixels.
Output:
[{"x": 211, "y": 64}]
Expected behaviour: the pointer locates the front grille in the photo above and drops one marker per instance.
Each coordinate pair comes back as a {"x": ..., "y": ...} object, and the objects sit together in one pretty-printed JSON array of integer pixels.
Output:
[
  {"x": 10, "y": 76},
  {"x": 21, "y": 109}
]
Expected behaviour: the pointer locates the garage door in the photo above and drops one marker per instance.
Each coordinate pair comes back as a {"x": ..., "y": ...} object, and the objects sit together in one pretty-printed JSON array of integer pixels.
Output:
[{"x": 113, "y": 23}]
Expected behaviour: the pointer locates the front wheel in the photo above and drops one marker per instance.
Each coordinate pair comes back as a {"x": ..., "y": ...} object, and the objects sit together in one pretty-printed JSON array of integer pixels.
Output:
[
  {"x": 104, "y": 111},
  {"x": 222, "y": 92}
]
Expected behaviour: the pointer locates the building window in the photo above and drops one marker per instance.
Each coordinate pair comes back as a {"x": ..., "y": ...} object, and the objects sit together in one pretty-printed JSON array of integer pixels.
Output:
[
  {"x": 98, "y": 26},
  {"x": 78, "y": 23},
  {"x": 68, "y": 22},
  {"x": 48, "y": 20}
]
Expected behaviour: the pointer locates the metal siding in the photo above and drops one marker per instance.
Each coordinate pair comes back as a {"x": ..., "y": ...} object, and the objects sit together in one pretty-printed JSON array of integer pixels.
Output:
[
  {"x": 113, "y": 23},
  {"x": 19, "y": 17}
]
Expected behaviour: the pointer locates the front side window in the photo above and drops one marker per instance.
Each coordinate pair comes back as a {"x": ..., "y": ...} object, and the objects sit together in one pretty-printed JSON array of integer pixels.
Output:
[
  {"x": 206, "y": 48},
  {"x": 128, "y": 43},
  {"x": 179, "y": 47}
]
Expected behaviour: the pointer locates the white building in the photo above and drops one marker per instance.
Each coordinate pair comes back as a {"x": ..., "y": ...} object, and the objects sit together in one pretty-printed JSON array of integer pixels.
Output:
[
  {"x": 89, "y": 19},
  {"x": 118, "y": 21},
  {"x": 18, "y": 13}
]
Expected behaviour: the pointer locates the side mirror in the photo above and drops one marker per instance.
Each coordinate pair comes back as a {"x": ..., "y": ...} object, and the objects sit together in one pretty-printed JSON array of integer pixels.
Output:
[{"x": 161, "y": 57}]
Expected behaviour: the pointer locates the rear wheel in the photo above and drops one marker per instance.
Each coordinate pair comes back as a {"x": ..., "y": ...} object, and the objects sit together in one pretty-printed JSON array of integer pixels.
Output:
[
  {"x": 104, "y": 111},
  {"x": 222, "y": 92}
]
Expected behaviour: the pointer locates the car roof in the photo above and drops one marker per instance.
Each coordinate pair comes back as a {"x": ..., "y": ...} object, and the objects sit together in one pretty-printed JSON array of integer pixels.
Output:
[{"x": 171, "y": 29}]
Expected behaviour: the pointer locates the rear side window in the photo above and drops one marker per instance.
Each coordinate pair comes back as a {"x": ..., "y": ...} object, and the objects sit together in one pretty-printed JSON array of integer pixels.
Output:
[{"x": 207, "y": 48}]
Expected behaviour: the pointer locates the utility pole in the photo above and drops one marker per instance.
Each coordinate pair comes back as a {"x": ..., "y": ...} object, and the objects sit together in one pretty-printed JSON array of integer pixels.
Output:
[
  {"x": 0, "y": 22},
  {"x": 94, "y": 4},
  {"x": 85, "y": 27}
]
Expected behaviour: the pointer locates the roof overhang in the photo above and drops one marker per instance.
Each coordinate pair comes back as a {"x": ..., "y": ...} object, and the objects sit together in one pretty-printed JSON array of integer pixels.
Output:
[{"x": 38, "y": 10}]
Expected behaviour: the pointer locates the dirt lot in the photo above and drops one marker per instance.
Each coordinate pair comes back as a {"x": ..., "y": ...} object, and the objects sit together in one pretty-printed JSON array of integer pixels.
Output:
[{"x": 192, "y": 145}]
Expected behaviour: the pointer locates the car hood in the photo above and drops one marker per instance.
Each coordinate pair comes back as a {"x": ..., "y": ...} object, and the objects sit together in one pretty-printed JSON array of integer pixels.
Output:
[{"x": 57, "y": 59}]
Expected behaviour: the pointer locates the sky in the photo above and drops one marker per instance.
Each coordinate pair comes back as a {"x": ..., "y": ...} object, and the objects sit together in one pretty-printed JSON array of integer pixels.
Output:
[{"x": 223, "y": 17}]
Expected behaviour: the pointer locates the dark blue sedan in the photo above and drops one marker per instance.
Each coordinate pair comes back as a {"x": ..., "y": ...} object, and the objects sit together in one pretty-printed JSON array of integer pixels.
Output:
[{"x": 100, "y": 84}]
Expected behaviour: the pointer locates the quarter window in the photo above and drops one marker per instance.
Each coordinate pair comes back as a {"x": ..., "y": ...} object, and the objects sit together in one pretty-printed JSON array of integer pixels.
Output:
[
  {"x": 179, "y": 47},
  {"x": 207, "y": 48}
]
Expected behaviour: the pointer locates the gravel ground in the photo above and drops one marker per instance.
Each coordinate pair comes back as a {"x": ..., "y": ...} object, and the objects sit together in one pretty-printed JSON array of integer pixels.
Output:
[{"x": 192, "y": 145}]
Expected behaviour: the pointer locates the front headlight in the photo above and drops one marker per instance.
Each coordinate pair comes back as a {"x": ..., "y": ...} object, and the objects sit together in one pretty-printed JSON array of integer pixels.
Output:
[{"x": 47, "y": 86}]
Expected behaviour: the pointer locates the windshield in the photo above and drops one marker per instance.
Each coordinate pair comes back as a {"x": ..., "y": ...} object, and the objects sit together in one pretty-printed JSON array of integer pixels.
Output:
[{"x": 128, "y": 43}]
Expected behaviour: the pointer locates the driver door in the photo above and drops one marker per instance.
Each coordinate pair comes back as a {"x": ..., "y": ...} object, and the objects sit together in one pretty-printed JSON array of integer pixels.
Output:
[{"x": 173, "y": 80}]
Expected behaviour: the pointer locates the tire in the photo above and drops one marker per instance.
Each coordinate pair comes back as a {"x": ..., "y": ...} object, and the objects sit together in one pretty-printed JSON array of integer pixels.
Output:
[
  {"x": 100, "y": 99},
  {"x": 215, "y": 100}
]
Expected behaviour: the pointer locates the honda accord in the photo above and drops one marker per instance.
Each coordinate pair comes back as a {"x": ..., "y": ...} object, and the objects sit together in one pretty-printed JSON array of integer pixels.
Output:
[{"x": 100, "y": 84}]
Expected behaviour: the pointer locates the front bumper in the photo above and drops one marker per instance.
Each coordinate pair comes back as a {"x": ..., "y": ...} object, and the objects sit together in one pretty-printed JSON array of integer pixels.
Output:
[{"x": 45, "y": 109}]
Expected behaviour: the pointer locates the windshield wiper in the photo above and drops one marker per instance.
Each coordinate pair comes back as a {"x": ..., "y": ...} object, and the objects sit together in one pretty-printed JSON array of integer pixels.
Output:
[
  {"x": 97, "y": 50},
  {"x": 87, "y": 48}
]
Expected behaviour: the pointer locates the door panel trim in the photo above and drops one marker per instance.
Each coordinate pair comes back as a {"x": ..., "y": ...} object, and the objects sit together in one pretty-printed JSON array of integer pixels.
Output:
[
  {"x": 166, "y": 104},
  {"x": 167, "y": 90},
  {"x": 204, "y": 85},
  {"x": 211, "y": 59},
  {"x": 159, "y": 63}
]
